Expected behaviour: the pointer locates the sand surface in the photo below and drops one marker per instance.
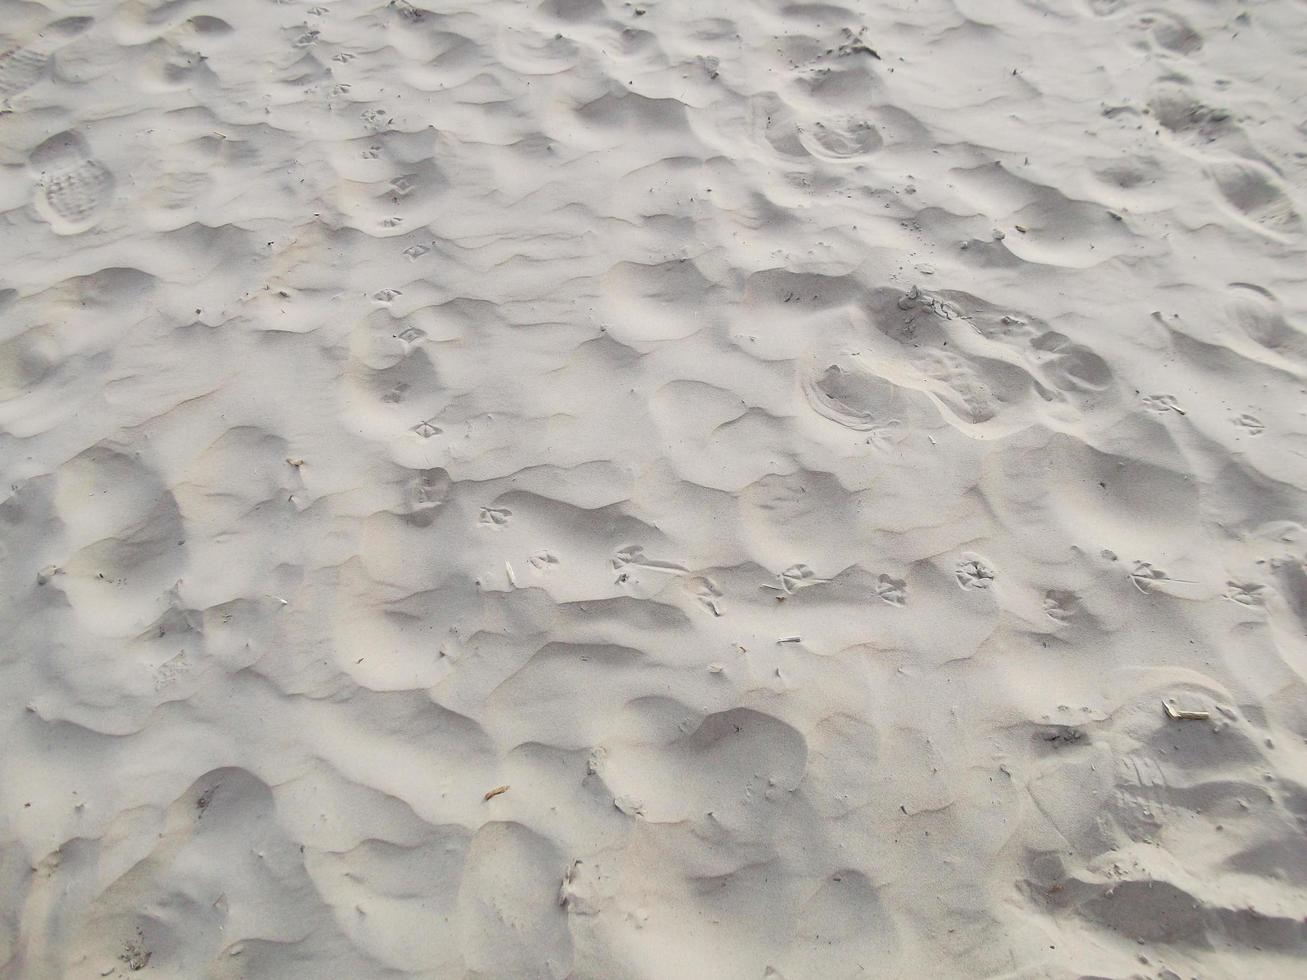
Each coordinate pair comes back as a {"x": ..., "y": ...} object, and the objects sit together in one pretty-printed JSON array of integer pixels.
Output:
[{"x": 707, "y": 489}]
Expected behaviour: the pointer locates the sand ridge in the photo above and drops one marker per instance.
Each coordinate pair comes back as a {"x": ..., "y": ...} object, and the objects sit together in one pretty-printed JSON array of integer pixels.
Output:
[{"x": 583, "y": 489}]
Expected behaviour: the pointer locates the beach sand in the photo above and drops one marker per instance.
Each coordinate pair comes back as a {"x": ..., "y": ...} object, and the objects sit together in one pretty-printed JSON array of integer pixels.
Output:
[{"x": 689, "y": 489}]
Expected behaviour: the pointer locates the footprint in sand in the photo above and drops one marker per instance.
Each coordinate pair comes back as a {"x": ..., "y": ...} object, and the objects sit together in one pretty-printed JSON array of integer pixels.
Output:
[
  {"x": 841, "y": 139},
  {"x": 800, "y": 576},
  {"x": 974, "y": 573},
  {"x": 1206, "y": 129},
  {"x": 1246, "y": 593},
  {"x": 1060, "y": 605},
  {"x": 73, "y": 188},
  {"x": 1258, "y": 314},
  {"x": 855, "y": 399},
  {"x": 20, "y": 69},
  {"x": 543, "y": 561},
  {"x": 495, "y": 516},
  {"x": 1162, "y": 404},
  {"x": 1171, "y": 33},
  {"x": 973, "y": 389},
  {"x": 1070, "y": 366},
  {"x": 426, "y": 429},
  {"x": 1256, "y": 193},
  {"x": 892, "y": 590},
  {"x": 22, "y": 66},
  {"x": 425, "y": 496},
  {"x": 1250, "y": 424},
  {"x": 706, "y": 592}
]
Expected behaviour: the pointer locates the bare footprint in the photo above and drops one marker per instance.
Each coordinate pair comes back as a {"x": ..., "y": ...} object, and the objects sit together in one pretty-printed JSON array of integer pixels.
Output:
[{"x": 73, "y": 188}]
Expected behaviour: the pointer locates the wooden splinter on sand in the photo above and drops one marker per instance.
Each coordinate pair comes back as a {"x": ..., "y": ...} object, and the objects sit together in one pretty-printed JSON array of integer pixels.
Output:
[{"x": 1182, "y": 714}]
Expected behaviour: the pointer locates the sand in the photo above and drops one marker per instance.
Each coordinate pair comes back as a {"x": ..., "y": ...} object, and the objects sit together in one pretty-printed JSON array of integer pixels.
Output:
[{"x": 695, "y": 489}]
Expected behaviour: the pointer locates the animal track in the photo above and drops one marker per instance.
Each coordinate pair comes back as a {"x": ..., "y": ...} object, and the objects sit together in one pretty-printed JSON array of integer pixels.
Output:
[
  {"x": 494, "y": 516},
  {"x": 1250, "y": 423},
  {"x": 1059, "y": 605},
  {"x": 73, "y": 188},
  {"x": 973, "y": 573},
  {"x": 430, "y": 489},
  {"x": 634, "y": 557},
  {"x": 1162, "y": 403},
  {"x": 799, "y": 576},
  {"x": 1145, "y": 575},
  {"x": 543, "y": 561},
  {"x": 892, "y": 590},
  {"x": 706, "y": 593},
  {"x": 375, "y": 120},
  {"x": 1246, "y": 593}
]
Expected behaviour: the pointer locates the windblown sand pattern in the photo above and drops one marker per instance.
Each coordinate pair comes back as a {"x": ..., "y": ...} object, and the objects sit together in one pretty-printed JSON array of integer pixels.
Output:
[{"x": 637, "y": 491}]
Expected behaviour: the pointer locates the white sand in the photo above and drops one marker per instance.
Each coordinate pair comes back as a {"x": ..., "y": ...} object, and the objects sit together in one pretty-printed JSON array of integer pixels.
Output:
[{"x": 791, "y": 453}]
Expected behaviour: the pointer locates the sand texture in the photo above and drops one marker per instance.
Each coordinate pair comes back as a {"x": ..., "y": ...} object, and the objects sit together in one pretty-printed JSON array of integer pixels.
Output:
[{"x": 687, "y": 490}]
